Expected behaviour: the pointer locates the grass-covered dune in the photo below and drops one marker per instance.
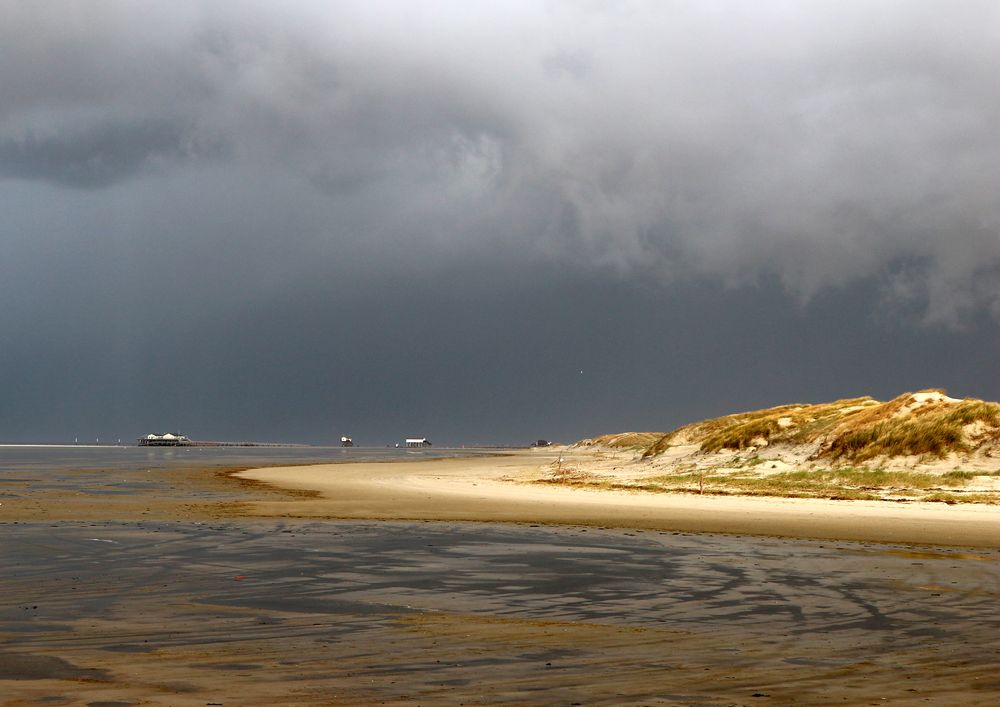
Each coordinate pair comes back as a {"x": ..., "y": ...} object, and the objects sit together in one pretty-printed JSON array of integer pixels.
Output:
[
  {"x": 924, "y": 445},
  {"x": 926, "y": 423}
]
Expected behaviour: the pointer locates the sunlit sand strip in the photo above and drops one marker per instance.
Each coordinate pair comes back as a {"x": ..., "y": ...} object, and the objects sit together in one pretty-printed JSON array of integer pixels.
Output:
[{"x": 499, "y": 489}]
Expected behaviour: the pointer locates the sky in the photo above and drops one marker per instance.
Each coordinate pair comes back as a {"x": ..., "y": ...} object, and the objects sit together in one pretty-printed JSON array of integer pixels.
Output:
[{"x": 489, "y": 222}]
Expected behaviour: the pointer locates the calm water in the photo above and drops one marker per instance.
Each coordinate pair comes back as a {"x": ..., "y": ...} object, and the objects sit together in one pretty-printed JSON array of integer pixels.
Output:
[
  {"x": 50, "y": 460},
  {"x": 27, "y": 471}
]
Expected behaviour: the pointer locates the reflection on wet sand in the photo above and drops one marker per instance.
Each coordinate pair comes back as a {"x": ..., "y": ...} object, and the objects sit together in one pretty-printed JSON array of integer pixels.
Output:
[{"x": 362, "y": 612}]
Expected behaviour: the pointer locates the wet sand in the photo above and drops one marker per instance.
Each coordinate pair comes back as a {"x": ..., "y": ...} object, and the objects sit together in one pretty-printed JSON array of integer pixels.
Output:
[
  {"x": 172, "y": 586},
  {"x": 272, "y": 612},
  {"x": 505, "y": 489}
]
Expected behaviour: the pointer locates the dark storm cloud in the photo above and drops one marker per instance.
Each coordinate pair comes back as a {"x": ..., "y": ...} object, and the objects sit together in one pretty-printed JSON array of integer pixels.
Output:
[
  {"x": 819, "y": 143},
  {"x": 318, "y": 161},
  {"x": 95, "y": 158}
]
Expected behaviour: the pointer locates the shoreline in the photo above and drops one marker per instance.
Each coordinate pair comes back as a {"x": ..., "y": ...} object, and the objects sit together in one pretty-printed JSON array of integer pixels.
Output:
[{"x": 502, "y": 488}]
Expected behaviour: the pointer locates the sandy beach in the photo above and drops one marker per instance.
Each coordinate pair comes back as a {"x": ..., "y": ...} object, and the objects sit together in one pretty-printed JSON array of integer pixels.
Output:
[{"x": 505, "y": 488}]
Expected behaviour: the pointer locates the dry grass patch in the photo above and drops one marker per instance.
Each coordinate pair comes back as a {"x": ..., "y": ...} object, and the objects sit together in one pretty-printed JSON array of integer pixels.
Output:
[
  {"x": 624, "y": 440},
  {"x": 926, "y": 423},
  {"x": 935, "y": 429},
  {"x": 971, "y": 411},
  {"x": 792, "y": 424},
  {"x": 952, "y": 498},
  {"x": 841, "y": 484},
  {"x": 898, "y": 438}
]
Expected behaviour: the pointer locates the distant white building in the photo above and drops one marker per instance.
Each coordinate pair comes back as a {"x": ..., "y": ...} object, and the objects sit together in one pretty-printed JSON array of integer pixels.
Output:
[
  {"x": 417, "y": 442},
  {"x": 165, "y": 440}
]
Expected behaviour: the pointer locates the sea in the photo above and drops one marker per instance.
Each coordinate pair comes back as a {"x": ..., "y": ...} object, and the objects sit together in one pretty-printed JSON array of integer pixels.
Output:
[
  {"x": 51, "y": 459},
  {"x": 28, "y": 469}
]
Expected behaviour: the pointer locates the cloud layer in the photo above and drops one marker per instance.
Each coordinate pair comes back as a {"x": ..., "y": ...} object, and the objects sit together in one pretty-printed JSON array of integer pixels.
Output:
[
  {"x": 817, "y": 143},
  {"x": 218, "y": 160}
]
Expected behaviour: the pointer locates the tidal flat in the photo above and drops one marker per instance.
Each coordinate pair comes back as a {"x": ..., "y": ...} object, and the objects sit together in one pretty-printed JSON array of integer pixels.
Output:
[
  {"x": 146, "y": 584},
  {"x": 406, "y": 613}
]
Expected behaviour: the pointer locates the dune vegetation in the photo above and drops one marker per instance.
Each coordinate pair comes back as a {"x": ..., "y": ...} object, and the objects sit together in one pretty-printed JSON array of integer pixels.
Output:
[
  {"x": 626, "y": 440},
  {"x": 918, "y": 446},
  {"x": 855, "y": 430}
]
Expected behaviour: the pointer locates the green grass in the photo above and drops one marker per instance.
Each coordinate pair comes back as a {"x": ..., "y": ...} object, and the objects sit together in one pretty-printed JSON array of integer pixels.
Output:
[
  {"x": 846, "y": 484},
  {"x": 908, "y": 436},
  {"x": 832, "y": 482},
  {"x": 952, "y": 498},
  {"x": 934, "y": 429},
  {"x": 964, "y": 475},
  {"x": 971, "y": 411},
  {"x": 743, "y": 435}
]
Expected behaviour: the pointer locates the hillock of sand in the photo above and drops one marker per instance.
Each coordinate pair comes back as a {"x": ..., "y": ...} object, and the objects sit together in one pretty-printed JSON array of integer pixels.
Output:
[{"x": 918, "y": 446}]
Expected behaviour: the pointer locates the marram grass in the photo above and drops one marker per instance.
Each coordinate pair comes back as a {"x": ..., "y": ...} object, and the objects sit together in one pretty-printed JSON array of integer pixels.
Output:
[
  {"x": 853, "y": 430},
  {"x": 845, "y": 484}
]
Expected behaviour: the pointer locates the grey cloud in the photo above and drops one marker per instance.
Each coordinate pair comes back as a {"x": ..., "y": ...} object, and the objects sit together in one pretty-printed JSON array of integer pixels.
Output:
[
  {"x": 237, "y": 162},
  {"x": 820, "y": 143},
  {"x": 102, "y": 155}
]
